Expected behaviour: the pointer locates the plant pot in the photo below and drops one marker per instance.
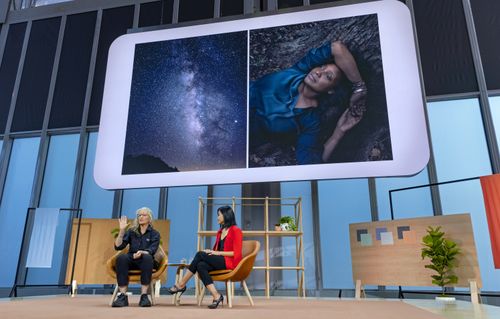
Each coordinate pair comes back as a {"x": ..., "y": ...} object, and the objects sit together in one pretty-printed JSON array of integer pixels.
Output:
[
  {"x": 445, "y": 299},
  {"x": 277, "y": 227}
]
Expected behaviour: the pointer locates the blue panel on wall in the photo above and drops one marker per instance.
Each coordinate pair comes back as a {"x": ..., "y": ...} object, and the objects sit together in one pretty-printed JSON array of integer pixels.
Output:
[
  {"x": 303, "y": 190},
  {"x": 95, "y": 201},
  {"x": 57, "y": 189},
  {"x": 182, "y": 210},
  {"x": 15, "y": 202},
  {"x": 341, "y": 203},
  {"x": 458, "y": 139},
  {"x": 408, "y": 203},
  {"x": 59, "y": 171},
  {"x": 495, "y": 113},
  {"x": 134, "y": 199},
  {"x": 460, "y": 151}
]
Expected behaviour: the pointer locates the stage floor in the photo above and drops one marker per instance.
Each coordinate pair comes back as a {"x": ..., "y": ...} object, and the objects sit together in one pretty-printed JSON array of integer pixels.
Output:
[{"x": 96, "y": 307}]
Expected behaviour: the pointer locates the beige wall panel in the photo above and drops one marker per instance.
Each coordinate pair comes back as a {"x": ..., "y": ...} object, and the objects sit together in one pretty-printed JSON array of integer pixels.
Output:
[{"x": 401, "y": 264}]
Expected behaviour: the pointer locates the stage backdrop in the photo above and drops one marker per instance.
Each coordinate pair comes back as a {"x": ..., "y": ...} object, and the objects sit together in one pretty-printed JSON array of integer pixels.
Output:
[{"x": 270, "y": 98}]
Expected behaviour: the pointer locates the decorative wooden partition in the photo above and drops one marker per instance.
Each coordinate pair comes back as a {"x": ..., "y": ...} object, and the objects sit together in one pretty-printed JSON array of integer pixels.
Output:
[
  {"x": 95, "y": 247},
  {"x": 388, "y": 253}
]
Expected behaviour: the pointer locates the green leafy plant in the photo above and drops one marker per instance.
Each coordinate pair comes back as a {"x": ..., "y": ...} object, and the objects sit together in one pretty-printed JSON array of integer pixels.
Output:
[
  {"x": 442, "y": 253},
  {"x": 290, "y": 221}
]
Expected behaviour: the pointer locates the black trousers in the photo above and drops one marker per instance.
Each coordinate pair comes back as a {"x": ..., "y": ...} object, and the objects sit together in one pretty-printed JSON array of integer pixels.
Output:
[
  {"x": 125, "y": 262},
  {"x": 203, "y": 263}
]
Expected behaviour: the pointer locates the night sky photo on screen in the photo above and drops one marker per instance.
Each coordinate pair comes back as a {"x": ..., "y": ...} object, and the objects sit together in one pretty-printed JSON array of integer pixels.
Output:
[{"x": 188, "y": 105}]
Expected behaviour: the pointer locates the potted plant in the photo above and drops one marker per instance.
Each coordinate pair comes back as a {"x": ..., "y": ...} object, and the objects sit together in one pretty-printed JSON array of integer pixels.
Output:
[
  {"x": 288, "y": 223},
  {"x": 442, "y": 253}
]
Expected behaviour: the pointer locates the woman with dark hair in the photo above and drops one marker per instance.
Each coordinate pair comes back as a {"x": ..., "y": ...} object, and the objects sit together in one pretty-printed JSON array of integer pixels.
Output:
[{"x": 226, "y": 254}]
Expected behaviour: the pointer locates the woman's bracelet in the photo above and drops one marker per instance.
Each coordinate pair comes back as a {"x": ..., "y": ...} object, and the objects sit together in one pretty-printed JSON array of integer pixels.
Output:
[{"x": 358, "y": 87}]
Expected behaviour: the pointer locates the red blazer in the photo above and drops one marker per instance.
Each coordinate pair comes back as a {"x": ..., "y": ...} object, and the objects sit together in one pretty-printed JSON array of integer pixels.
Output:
[{"x": 232, "y": 242}]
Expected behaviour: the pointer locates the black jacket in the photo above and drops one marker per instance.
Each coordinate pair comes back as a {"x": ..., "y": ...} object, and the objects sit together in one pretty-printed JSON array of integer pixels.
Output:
[{"x": 149, "y": 241}]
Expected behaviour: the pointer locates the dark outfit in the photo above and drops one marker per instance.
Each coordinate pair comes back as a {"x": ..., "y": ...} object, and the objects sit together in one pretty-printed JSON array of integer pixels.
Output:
[
  {"x": 272, "y": 108},
  {"x": 149, "y": 241},
  {"x": 204, "y": 263}
]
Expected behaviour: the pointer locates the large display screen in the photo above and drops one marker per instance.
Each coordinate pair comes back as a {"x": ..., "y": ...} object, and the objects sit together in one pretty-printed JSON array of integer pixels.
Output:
[{"x": 317, "y": 94}]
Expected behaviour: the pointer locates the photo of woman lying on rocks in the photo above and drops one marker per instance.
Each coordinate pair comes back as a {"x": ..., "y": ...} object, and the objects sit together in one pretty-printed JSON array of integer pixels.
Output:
[{"x": 317, "y": 94}]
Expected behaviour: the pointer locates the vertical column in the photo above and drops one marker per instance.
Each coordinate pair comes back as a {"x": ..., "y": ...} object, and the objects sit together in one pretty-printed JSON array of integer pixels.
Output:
[
  {"x": 489, "y": 129},
  {"x": 431, "y": 166}
]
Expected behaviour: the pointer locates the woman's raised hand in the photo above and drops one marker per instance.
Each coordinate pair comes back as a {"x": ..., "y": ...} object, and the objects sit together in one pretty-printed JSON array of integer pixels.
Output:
[{"x": 123, "y": 222}]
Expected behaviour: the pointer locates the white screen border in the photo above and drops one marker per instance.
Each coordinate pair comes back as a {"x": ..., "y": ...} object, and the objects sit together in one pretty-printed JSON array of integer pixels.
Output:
[{"x": 405, "y": 104}]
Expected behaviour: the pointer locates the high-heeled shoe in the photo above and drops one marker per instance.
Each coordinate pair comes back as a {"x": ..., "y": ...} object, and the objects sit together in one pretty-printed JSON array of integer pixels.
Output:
[
  {"x": 216, "y": 302},
  {"x": 175, "y": 289}
]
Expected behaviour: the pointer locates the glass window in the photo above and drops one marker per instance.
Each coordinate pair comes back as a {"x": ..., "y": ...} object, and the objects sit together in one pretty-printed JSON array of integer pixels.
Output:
[
  {"x": 460, "y": 151},
  {"x": 303, "y": 190},
  {"x": 73, "y": 71},
  {"x": 150, "y": 14},
  {"x": 59, "y": 171},
  {"x": 407, "y": 203},
  {"x": 39, "y": 3},
  {"x": 114, "y": 23},
  {"x": 182, "y": 211},
  {"x": 8, "y": 68},
  {"x": 204, "y": 10},
  {"x": 488, "y": 31},
  {"x": 95, "y": 201},
  {"x": 231, "y": 7},
  {"x": 282, "y": 4},
  {"x": 495, "y": 113},
  {"x": 226, "y": 191},
  {"x": 24, "y": 4},
  {"x": 341, "y": 202},
  {"x": 445, "y": 50},
  {"x": 57, "y": 190},
  {"x": 36, "y": 76},
  {"x": 15, "y": 202},
  {"x": 134, "y": 199}
]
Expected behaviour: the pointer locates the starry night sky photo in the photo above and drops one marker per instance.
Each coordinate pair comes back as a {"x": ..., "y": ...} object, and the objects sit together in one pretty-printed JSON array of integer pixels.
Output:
[{"x": 188, "y": 105}]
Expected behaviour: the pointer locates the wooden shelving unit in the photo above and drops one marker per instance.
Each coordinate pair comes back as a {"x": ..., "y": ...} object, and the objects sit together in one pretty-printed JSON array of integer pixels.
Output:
[{"x": 237, "y": 203}]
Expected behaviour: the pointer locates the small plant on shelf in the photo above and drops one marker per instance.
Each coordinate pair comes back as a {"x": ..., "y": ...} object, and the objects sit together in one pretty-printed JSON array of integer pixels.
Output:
[
  {"x": 288, "y": 223},
  {"x": 442, "y": 253}
]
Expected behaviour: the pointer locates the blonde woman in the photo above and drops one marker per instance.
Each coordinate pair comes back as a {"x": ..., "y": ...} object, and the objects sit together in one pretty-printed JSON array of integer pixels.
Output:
[{"x": 144, "y": 242}]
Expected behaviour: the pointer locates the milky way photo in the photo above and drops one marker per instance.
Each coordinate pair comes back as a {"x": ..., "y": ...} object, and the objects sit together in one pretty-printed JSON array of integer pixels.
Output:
[{"x": 187, "y": 107}]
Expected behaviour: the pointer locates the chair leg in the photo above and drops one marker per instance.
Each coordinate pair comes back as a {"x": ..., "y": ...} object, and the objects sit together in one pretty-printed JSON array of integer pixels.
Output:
[
  {"x": 157, "y": 288},
  {"x": 152, "y": 291},
  {"x": 115, "y": 292},
  {"x": 229, "y": 287},
  {"x": 201, "y": 296},
  {"x": 244, "y": 284}
]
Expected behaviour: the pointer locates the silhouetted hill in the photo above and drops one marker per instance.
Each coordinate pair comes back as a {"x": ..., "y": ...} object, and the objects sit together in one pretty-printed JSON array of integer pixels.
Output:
[{"x": 144, "y": 164}]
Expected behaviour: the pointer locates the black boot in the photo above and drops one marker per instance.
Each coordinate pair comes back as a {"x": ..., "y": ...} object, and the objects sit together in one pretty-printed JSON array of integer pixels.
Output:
[
  {"x": 144, "y": 302},
  {"x": 121, "y": 300}
]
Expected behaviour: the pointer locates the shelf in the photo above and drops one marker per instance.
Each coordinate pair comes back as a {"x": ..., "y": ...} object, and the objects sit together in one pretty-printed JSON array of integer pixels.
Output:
[
  {"x": 278, "y": 268},
  {"x": 265, "y": 203},
  {"x": 256, "y": 233}
]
